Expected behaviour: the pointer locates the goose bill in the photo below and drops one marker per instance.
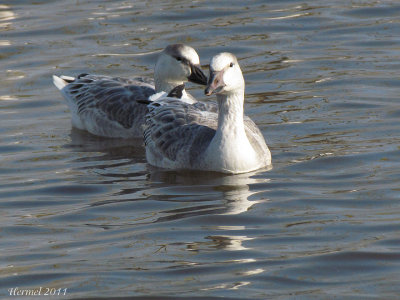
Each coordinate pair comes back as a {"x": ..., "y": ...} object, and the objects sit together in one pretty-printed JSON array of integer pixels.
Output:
[
  {"x": 197, "y": 75},
  {"x": 215, "y": 83}
]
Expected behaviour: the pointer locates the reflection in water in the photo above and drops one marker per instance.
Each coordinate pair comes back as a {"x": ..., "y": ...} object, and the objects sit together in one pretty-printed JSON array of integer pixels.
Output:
[
  {"x": 5, "y": 43},
  {"x": 229, "y": 242},
  {"x": 86, "y": 142},
  {"x": 322, "y": 84},
  {"x": 234, "y": 286},
  {"x": 102, "y": 154},
  {"x": 225, "y": 242},
  {"x": 6, "y": 15},
  {"x": 8, "y": 97},
  {"x": 189, "y": 193},
  {"x": 229, "y": 195},
  {"x": 237, "y": 199},
  {"x": 169, "y": 197},
  {"x": 122, "y": 163},
  {"x": 232, "y": 190}
]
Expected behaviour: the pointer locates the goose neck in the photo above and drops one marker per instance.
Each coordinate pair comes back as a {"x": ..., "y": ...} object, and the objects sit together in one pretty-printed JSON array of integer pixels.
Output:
[
  {"x": 164, "y": 85},
  {"x": 230, "y": 111}
]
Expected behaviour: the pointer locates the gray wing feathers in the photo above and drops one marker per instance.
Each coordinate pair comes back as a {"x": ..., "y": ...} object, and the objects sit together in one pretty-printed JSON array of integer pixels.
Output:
[
  {"x": 207, "y": 106},
  {"x": 178, "y": 131},
  {"x": 109, "y": 100},
  {"x": 146, "y": 80},
  {"x": 255, "y": 137},
  {"x": 200, "y": 143}
]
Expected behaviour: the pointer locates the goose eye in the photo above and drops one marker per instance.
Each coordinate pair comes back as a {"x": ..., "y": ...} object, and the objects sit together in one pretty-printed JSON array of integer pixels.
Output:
[
  {"x": 231, "y": 65},
  {"x": 179, "y": 58}
]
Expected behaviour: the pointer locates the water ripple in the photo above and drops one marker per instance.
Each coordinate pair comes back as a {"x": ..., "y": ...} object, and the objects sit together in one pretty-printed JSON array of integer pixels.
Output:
[{"x": 90, "y": 215}]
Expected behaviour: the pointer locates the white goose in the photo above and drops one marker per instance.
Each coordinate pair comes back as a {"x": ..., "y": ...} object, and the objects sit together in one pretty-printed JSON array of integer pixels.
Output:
[
  {"x": 186, "y": 136},
  {"x": 107, "y": 106}
]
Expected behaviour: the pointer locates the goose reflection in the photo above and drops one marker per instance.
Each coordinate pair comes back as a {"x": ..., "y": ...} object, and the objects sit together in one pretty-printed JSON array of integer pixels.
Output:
[
  {"x": 105, "y": 161},
  {"x": 210, "y": 194},
  {"x": 99, "y": 154},
  {"x": 86, "y": 142},
  {"x": 204, "y": 192},
  {"x": 226, "y": 242},
  {"x": 180, "y": 194}
]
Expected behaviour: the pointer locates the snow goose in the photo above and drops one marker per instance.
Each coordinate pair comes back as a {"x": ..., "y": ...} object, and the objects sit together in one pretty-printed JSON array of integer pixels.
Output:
[
  {"x": 179, "y": 135},
  {"x": 107, "y": 106}
]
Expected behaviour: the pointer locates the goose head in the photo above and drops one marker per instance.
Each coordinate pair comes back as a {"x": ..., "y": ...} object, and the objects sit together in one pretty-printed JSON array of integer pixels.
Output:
[
  {"x": 176, "y": 64},
  {"x": 225, "y": 75}
]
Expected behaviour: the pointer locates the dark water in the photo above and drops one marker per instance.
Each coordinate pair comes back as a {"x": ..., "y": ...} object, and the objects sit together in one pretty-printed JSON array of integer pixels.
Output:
[{"x": 89, "y": 215}]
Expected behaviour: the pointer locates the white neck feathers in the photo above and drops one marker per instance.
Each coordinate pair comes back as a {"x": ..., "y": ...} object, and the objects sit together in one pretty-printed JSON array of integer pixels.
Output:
[{"x": 230, "y": 149}]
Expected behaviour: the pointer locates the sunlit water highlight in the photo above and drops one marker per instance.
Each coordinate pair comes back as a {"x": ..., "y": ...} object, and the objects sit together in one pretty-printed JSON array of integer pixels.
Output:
[{"x": 88, "y": 214}]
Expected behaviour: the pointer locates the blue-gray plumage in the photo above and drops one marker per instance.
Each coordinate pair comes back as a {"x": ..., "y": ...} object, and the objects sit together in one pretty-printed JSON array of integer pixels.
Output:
[
  {"x": 198, "y": 136},
  {"x": 108, "y": 106},
  {"x": 181, "y": 132},
  {"x": 178, "y": 129},
  {"x": 112, "y": 101}
]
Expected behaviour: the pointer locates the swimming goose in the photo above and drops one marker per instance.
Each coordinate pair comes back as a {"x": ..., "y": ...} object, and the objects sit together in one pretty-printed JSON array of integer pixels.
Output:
[
  {"x": 179, "y": 135},
  {"x": 107, "y": 106}
]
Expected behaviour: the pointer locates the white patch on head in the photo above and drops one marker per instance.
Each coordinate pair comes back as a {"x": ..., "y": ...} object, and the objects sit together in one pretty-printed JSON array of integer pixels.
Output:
[
  {"x": 190, "y": 54},
  {"x": 169, "y": 72},
  {"x": 227, "y": 64},
  {"x": 222, "y": 60}
]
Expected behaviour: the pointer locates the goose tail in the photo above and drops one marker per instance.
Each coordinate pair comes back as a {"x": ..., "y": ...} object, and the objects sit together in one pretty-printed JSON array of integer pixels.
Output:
[{"x": 62, "y": 81}]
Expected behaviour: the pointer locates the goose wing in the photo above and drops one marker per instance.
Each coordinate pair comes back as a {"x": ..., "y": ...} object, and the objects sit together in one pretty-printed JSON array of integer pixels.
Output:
[
  {"x": 207, "y": 106},
  {"x": 177, "y": 133},
  {"x": 106, "y": 105},
  {"x": 255, "y": 137}
]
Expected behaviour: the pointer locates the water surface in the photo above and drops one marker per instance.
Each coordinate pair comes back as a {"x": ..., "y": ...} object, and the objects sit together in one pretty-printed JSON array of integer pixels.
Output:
[{"x": 90, "y": 215}]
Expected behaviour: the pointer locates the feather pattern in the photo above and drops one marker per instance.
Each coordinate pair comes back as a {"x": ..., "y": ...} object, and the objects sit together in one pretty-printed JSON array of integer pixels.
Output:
[
  {"x": 107, "y": 106},
  {"x": 116, "y": 107},
  {"x": 177, "y": 134},
  {"x": 205, "y": 136},
  {"x": 178, "y": 131}
]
